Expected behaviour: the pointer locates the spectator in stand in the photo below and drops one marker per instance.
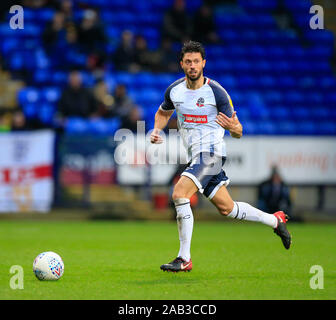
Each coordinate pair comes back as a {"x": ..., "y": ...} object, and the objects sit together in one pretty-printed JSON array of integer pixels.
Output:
[
  {"x": 203, "y": 26},
  {"x": 4, "y": 8},
  {"x": 54, "y": 31},
  {"x": 124, "y": 55},
  {"x": 92, "y": 39},
  {"x": 33, "y": 3},
  {"x": 71, "y": 51},
  {"x": 176, "y": 23},
  {"x": 104, "y": 99},
  {"x": 144, "y": 59},
  {"x": 19, "y": 122},
  {"x": 59, "y": 38},
  {"x": 131, "y": 121},
  {"x": 76, "y": 100},
  {"x": 66, "y": 6},
  {"x": 125, "y": 108},
  {"x": 168, "y": 57},
  {"x": 273, "y": 194},
  {"x": 91, "y": 32}
]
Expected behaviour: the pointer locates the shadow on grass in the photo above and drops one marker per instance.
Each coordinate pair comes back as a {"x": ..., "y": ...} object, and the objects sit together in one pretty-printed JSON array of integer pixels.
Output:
[{"x": 167, "y": 278}]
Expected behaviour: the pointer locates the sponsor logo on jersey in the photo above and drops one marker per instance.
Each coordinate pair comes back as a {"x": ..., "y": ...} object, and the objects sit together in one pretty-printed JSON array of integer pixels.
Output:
[
  {"x": 191, "y": 118},
  {"x": 177, "y": 103},
  {"x": 200, "y": 102}
]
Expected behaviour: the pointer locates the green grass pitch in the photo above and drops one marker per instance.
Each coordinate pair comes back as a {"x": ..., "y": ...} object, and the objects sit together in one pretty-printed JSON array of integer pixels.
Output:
[{"x": 120, "y": 260}]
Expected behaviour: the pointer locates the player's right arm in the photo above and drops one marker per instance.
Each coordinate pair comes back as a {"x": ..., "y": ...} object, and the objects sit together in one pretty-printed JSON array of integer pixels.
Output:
[
  {"x": 161, "y": 120},
  {"x": 162, "y": 117}
]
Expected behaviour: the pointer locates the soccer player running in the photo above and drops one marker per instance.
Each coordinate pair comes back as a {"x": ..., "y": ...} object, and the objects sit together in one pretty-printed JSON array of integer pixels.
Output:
[{"x": 204, "y": 111}]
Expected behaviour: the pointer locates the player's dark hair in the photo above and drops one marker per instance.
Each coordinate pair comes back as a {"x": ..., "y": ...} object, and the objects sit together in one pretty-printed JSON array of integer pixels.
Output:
[{"x": 192, "y": 46}]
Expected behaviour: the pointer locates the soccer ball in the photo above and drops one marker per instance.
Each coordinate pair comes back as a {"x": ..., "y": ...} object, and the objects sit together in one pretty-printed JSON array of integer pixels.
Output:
[{"x": 48, "y": 266}]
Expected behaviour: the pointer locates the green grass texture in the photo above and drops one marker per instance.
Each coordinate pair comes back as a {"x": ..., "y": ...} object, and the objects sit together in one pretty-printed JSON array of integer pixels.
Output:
[{"x": 120, "y": 260}]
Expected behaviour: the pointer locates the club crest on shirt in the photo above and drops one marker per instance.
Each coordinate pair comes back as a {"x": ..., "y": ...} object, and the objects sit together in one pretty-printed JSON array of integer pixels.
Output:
[{"x": 200, "y": 102}]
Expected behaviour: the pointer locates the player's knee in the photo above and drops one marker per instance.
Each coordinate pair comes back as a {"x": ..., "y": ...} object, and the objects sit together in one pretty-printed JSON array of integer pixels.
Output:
[{"x": 179, "y": 193}]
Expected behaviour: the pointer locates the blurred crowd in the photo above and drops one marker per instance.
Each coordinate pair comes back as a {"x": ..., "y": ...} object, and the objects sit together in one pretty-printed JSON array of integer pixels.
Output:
[{"x": 65, "y": 34}]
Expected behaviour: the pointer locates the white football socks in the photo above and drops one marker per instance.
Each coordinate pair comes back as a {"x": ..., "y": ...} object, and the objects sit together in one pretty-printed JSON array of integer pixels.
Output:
[
  {"x": 244, "y": 211},
  {"x": 185, "y": 223}
]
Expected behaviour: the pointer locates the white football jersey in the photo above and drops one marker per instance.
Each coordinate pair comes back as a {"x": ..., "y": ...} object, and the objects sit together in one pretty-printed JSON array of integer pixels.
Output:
[{"x": 196, "y": 114}]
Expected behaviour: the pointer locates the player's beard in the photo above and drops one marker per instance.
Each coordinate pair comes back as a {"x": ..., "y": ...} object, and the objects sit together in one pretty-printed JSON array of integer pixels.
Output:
[{"x": 195, "y": 77}]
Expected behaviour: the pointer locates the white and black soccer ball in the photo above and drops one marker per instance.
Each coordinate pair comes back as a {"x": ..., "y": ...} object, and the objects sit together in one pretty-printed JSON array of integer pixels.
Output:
[{"x": 48, "y": 266}]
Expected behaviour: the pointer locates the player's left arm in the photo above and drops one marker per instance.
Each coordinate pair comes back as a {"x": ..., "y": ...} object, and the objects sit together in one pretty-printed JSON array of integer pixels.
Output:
[
  {"x": 231, "y": 124},
  {"x": 227, "y": 117}
]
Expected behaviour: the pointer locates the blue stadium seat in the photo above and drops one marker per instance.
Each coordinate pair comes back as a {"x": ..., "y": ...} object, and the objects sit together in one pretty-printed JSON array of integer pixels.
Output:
[
  {"x": 42, "y": 76},
  {"x": 76, "y": 125},
  {"x": 103, "y": 126},
  {"x": 327, "y": 82},
  {"x": 113, "y": 32},
  {"x": 166, "y": 79},
  {"x": 330, "y": 98},
  {"x": 302, "y": 19},
  {"x": 10, "y": 45},
  {"x": 306, "y": 128},
  {"x": 320, "y": 112},
  {"x": 320, "y": 37},
  {"x": 216, "y": 51},
  {"x": 300, "y": 113},
  {"x": 146, "y": 80},
  {"x": 285, "y": 82},
  {"x": 246, "y": 82},
  {"x": 45, "y": 14},
  {"x": 227, "y": 82},
  {"x": 243, "y": 112},
  {"x": 327, "y": 128},
  {"x": 298, "y": 6},
  {"x": 250, "y": 128},
  {"x": 46, "y": 112},
  {"x": 28, "y": 95},
  {"x": 294, "y": 97},
  {"x": 277, "y": 85},
  {"x": 319, "y": 52},
  {"x": 272, "y": 96},
  {"x": 275, "y": 51},
  {"x": 59, "y": 78},
  {"x": 125, "y": 78},
  {"x": 148, "y": 97},
  {"x": 30, "y": 110},
  {"x": 17, "y": 61},
  {"x": 266, "y": 82},
  {"x": 267, "y": 127},
  {"x": 306, "y": 82},
  {"x": 258, "y": 5},
  {"x": 315, "y": 98},
  {"x": 110, "y": 81},
  {"x": 51, "y": 94},
  {"x": 279, "y": 112},
  {"x": 286, "y": 127}
]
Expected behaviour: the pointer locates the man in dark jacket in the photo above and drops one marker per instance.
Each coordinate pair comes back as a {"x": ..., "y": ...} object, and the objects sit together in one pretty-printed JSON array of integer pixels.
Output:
[
  {"x": 76, "y": 100},
  {"x": 274, "y": 195},
  {"x": 176, "y": 23}
]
